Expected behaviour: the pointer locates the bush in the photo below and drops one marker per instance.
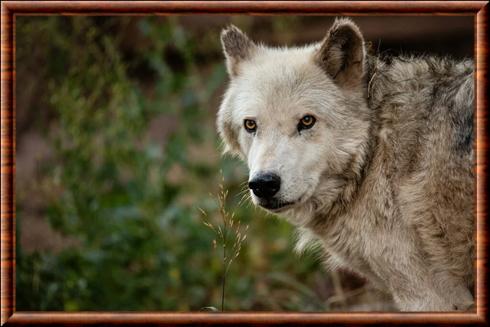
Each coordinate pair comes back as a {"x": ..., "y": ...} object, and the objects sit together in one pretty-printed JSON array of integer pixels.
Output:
[{"x": 135, "y": 155}]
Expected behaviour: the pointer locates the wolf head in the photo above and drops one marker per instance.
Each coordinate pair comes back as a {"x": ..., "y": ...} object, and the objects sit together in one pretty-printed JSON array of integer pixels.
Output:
[{"x": 297, "y": 116}]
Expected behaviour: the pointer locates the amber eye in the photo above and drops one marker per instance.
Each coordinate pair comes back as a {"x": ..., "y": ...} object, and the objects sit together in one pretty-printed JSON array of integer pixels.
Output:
[
  {"x": 306, "y": 122},
  {"x": 250, "y": 125}
]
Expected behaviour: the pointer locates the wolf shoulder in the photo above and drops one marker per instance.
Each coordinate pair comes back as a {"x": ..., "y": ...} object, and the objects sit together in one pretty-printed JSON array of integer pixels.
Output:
[
  {"x": 422, "y": 100},
  {"x": 454, "y": 104}
]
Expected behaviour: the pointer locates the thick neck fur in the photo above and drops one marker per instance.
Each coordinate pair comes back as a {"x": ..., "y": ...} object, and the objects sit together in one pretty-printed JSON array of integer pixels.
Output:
[
  {"x": 383, "y": 85},
  {"x": 336, "y": 193}
]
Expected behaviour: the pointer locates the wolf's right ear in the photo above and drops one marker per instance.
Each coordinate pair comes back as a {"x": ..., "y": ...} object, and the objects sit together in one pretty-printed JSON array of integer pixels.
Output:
[
  {"x": 341, "y": 54},
  {"x": 237, "y": 48}
]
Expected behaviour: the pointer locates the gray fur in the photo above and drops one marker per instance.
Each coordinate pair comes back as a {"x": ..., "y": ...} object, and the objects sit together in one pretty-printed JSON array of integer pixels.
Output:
[{"x": 389, "y": 181}]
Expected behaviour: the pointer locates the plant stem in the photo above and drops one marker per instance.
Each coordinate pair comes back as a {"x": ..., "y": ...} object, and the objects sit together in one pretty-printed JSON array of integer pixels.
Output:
[
  {"x": 225, "y": 241},
  {"x": 223, "y": 293},
  {"x": 224, "y": 273}
]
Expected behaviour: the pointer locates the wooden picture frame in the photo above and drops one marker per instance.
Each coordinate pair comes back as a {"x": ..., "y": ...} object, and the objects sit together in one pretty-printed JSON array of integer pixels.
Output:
[{"x": 11, "y": 9}]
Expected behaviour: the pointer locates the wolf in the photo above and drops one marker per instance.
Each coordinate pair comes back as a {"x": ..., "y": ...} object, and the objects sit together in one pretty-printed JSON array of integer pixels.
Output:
[{"x": 369, "y": 156}]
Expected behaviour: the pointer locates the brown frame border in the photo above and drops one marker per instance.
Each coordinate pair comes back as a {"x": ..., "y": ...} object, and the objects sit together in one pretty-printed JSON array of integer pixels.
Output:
[{"x": 9, "y": 9}]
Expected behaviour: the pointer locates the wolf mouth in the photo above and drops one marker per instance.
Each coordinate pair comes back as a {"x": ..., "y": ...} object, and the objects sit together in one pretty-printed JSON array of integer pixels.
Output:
[{"x": 276, "y": 205}]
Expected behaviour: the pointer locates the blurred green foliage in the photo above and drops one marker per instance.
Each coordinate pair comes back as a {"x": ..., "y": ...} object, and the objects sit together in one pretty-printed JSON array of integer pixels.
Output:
[{"x": 126, "y": 199}]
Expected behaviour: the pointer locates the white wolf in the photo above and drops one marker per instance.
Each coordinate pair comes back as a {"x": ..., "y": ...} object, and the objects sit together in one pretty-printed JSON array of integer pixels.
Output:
[{"x": 371, "y": 157}]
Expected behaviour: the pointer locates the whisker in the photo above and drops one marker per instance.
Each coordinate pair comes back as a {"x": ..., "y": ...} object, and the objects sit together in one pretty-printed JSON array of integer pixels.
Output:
[
  {"x": 244, "y": 198},
  {"x": 244, "y": 191}
]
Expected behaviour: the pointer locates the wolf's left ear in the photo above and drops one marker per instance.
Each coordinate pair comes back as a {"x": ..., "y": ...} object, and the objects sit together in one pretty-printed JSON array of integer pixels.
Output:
[
  {"x": 237, "y": 48},
  {"x": 341, "y": 54}
]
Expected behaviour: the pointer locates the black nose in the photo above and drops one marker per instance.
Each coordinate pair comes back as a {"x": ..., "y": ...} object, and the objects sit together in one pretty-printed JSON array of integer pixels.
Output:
[{"x": 265, "y": 185}]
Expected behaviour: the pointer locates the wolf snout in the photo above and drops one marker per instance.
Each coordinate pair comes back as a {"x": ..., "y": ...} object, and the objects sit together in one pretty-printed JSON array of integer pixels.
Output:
[{"x": 265, "y": 185}]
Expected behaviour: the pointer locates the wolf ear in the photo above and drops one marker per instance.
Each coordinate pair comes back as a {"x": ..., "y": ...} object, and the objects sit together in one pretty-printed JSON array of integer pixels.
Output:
[
  {"x": 237, "y": 47},
  {"x": 341, "y": 54}
]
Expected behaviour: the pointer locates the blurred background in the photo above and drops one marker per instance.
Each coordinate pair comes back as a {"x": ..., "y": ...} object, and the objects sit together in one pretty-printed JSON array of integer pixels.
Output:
[{"x": 117, "y": 151}]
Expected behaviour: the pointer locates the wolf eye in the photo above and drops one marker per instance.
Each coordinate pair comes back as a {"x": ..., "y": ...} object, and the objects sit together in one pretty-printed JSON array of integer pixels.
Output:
[
  {"x": 306, "y": 122},
  {"x": 250, "y": 125}
]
